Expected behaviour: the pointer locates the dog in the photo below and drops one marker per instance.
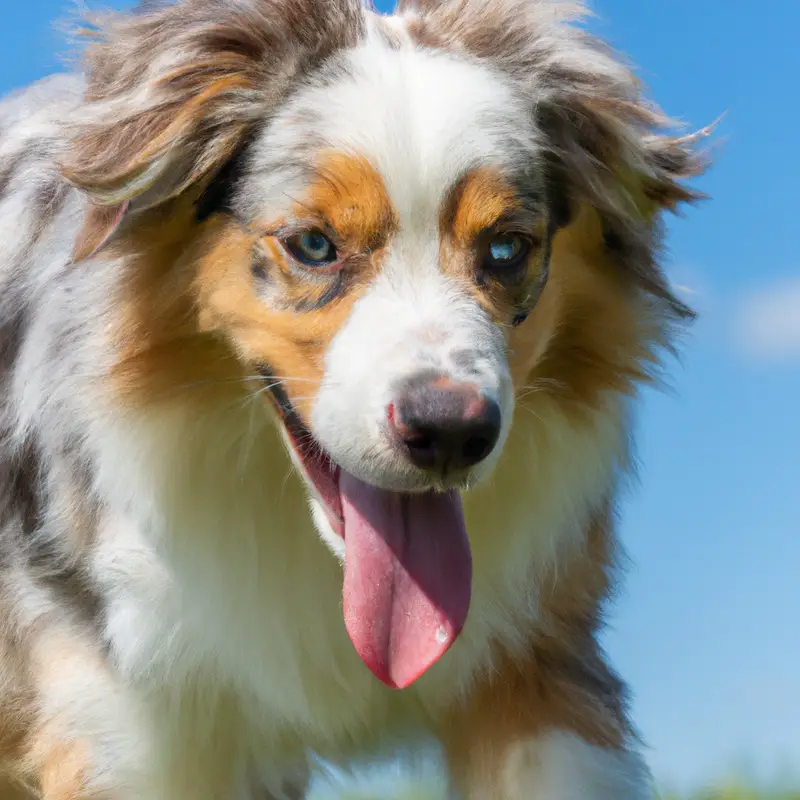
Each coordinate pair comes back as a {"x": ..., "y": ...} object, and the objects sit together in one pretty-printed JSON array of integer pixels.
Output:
[{"x": 320, "y": 339}]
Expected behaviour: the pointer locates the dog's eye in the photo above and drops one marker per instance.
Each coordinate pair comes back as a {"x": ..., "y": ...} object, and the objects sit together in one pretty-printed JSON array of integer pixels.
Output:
[
  {"x": 311, "y": 248},
  {"x": 506, "y": 250}
]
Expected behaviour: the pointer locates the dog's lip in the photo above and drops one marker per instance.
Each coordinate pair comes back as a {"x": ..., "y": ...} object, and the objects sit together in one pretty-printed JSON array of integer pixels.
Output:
[
  {"x": 321, "y": 463},
  {"x": 319, "y": 470}
]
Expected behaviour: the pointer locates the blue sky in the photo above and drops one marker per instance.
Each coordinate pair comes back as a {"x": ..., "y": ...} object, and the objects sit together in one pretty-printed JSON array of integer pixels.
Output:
[{"x": 707, "y": 629}]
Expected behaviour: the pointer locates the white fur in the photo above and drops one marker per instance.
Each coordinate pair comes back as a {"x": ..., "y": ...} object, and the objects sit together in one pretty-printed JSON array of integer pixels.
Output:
[{"x": 421, "y": 118}]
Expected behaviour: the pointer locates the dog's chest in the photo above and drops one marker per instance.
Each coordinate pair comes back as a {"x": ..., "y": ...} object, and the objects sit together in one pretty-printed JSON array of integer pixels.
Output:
[
  {"x": 221, "y": 574},
  {"x": 259, "y": 615}
]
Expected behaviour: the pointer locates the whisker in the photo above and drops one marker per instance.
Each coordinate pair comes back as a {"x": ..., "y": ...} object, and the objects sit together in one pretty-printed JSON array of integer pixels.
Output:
[
  {"x": 286, "y": 478},
  {"x": 531, "y": 411},
  {"x": 277, "y": 381}
]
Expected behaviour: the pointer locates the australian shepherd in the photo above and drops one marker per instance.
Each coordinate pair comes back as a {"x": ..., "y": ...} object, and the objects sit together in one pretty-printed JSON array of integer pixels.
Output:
[{"x": 319, "y": 336}]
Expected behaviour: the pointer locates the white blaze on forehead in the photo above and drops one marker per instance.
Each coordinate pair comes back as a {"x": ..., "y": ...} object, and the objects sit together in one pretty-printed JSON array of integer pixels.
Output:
[{"x": 422, "y": 118}]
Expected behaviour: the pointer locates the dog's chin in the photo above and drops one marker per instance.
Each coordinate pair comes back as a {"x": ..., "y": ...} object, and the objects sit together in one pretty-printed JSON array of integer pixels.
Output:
[
  {"x": 324, "y": 472},
  {"x": 321, "y": 471}
]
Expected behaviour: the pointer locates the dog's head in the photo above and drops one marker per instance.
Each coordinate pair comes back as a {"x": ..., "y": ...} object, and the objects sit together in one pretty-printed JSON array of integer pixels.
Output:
[{"x": 404, "y": 225}]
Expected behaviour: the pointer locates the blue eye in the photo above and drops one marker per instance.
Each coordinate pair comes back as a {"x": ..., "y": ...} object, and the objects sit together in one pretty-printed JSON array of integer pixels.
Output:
[
  {"x": 311, "y": 248},
  {"x": 507, "y": 250}
]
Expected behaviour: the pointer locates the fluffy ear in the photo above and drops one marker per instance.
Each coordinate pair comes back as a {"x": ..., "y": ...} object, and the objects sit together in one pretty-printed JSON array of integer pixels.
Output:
[
  {"x": 173, "y": 91},
  {"x": 613, "y": 153},
  {"x": 605, "y": 145}
]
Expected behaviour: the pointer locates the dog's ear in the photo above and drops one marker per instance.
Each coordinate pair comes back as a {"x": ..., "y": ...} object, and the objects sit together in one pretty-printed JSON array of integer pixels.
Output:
[
  {"x": 173, "y": 91},
  {"x": 610, "y": 151},
  {"x": 604, "y": 145}
]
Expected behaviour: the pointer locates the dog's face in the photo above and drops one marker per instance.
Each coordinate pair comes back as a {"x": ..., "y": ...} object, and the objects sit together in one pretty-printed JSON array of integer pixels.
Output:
[
  {"x": 394, "y": 226},
  {"x": 414, "y": 232}
]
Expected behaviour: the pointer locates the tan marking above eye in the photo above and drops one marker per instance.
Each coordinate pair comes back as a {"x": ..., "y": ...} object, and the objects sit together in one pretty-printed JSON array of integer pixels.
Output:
[
  {"x": 349, "y": 197},
  {"x": 476, "y": 204},
  {"x": 482, "y": 206},
  {"x": 347, "y": 203}
]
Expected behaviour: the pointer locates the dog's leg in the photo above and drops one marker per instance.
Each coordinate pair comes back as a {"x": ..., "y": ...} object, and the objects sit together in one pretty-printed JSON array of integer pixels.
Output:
[
  {"x": 89, "y": 736},
  {"x": 557, "y": 765},
  {"x": 80, "y": 732},
  {"x": 553, "y": 728}
]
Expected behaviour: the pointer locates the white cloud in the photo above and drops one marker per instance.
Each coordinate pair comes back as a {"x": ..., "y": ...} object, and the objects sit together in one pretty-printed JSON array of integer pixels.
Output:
[{"x": 768, "y": 322}]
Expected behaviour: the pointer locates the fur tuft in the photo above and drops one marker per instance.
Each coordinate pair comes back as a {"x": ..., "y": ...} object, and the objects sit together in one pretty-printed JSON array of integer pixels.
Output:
[{"x": 173, "y": 90}]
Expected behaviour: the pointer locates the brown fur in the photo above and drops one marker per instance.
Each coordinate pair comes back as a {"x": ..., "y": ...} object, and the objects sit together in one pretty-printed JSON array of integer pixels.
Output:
[
  {"x": 350, "y": 198},
  {"x": 38, "y": 752},
  {"x": 348, "y": 202},
  {"x": 175, "y": 308},
  {"x": 185, "y": 322},
  {"x": 481, "y": 200},
  {"x": 292, "y": 344},
  {"x": 64, "y": 770},
  {"x": 99, "y": 224},
  {"x": 588, "y": 339},
  {"x": 228, "y": 71},
  {"x": 608, "y": 144},
  {"x": 590, "y": 335},
  {"x": 17, "y": 702}
]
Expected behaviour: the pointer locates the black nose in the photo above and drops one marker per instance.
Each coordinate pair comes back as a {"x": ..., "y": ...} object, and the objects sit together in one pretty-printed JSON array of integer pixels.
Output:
[{"x": 444, "y": 426}]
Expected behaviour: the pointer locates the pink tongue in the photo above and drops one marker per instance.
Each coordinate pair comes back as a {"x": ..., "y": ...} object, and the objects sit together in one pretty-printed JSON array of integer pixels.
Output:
[{"x": 407, "y": 577}]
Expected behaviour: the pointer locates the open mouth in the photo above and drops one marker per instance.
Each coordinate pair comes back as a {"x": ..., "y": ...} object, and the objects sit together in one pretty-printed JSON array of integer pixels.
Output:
[{"x": 408, "y": 566}]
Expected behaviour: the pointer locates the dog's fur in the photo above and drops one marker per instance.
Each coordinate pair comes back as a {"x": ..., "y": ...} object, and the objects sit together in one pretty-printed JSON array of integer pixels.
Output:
[{"x": 170, "y": 621}]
